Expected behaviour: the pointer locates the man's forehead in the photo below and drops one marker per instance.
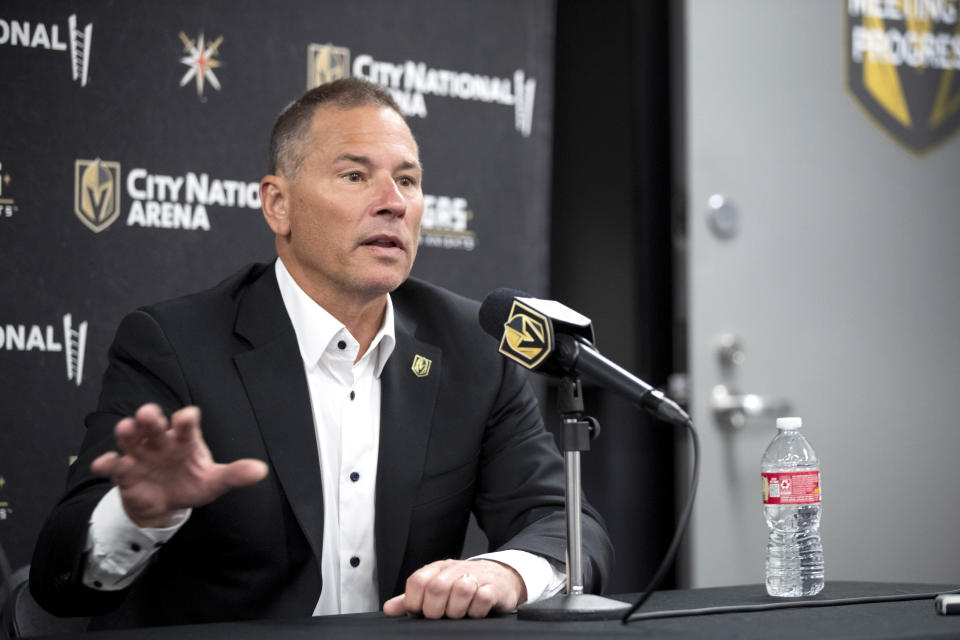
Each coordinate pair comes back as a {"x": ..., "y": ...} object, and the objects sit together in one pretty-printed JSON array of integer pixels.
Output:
[
  {"x": 359, "y": 130},
  {"x": 370, "y": 118}
]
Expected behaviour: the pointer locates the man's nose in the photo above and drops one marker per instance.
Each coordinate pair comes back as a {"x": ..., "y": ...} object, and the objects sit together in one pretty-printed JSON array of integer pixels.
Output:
[{"x": 390, "y": 200}]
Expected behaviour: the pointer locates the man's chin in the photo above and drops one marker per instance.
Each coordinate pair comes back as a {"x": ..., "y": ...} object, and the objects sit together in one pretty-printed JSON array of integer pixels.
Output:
[{"x": 381, "y": 285}]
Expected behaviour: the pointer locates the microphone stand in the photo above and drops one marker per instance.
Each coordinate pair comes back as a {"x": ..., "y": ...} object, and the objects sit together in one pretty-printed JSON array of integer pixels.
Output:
[{"x": 574, "y": 604}]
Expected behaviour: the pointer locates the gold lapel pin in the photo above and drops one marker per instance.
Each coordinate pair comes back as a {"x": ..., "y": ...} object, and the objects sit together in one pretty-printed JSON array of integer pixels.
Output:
[{"x": 421, "y": 366}]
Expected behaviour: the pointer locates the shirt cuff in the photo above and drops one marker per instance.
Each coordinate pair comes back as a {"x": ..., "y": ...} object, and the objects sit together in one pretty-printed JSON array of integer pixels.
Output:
[
  {"x": 540, "y": 577},
  {"x": 117, "y": 549}
]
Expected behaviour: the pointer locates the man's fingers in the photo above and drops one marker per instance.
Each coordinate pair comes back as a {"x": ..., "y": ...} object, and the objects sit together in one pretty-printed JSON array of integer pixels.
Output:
[
  {"x": 142, "y": 431},
  {"x": 509, "y": 588},
  {"x": 242, "y": 473},
  {"x": 186, "y": 424},
  {"x": 125, "y": 434},
  {"x": 395, "y": 606},
  {"x": 435, "y": 596},
  {"x": 104, "y": 465},
  {"x": 450, "y": 591},
  {"x": 151, "y": 418},
  {"x": 458, "y": 588},
  {"x": 151, "y": 423},
  {"x": 483, "y": 601},
  {"x": 416, "y": 587},
  {"x": 150, "y": 412},
  {"x": 461, "y": 595}
]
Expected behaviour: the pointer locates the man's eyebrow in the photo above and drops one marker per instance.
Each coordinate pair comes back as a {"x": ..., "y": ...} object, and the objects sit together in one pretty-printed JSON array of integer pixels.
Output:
[
  {"x": 349, "y": 157},
  {"x": 410, "y": 164},
  {"x": 366, "y": 161}
]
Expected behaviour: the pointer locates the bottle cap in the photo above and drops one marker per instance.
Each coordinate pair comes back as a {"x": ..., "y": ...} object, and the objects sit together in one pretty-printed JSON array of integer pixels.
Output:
[{"x": 789, "y": 423}]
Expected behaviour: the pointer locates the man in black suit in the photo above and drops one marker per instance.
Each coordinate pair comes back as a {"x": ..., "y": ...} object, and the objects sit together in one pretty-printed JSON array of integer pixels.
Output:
[{"x": 366, "y": 414}]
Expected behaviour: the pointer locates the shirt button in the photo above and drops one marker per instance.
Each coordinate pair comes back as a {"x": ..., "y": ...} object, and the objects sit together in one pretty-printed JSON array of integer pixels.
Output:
[
  {"x": 352, "y": 395},
  {"x": 341, "y": 345},
  {"x": 97, "y": 584},
  {"x": 134, "y": 547},
  {"x": 354, "y": 476},
  {"x": 354, "y": 561}
]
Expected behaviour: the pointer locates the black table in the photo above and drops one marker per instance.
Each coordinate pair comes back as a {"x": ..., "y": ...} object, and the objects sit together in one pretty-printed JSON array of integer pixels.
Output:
[{"x": 902, "y": 619}]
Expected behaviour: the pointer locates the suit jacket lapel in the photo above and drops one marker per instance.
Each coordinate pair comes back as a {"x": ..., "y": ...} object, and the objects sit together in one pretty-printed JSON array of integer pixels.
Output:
[
  {"x": 273, "y": 376},
  {"x": 406, "y": 408}
]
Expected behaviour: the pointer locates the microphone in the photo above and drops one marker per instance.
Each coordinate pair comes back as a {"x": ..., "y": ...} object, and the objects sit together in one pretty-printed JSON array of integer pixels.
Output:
[{"x": 550, "y": 338}]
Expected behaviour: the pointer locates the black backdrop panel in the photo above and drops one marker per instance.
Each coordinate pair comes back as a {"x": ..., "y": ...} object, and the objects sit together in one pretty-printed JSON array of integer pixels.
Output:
[{"x": 104, "y": 120}]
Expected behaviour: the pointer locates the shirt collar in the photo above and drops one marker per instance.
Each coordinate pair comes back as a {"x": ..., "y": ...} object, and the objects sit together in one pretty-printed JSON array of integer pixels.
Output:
[{"x": 318, "y": 331}]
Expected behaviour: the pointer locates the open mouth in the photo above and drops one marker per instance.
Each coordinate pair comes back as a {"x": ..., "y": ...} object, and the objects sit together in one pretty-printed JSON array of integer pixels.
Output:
[{"x": 387, "y": 242}]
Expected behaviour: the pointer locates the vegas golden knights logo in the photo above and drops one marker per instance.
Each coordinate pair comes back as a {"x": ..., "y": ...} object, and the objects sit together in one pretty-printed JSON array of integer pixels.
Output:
[
  {"x": 527, "y": 336},
  {"x": 326, "y": 63},
  {"x": 903, "y": 68},
  {"x": 421, "y": 366},
  {"x": 96, "y": 199}
]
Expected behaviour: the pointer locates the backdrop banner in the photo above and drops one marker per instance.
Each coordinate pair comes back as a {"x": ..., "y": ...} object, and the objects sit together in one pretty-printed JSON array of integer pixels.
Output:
[{"x": 132, "y": 140}]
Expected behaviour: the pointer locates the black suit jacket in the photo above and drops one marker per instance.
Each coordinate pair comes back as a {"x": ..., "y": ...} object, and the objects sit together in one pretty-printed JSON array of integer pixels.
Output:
[{"x": 465, "y": 437}]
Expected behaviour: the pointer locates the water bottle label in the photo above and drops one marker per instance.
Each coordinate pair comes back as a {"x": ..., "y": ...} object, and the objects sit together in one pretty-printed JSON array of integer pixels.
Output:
[{"x": 791, "y": 487}]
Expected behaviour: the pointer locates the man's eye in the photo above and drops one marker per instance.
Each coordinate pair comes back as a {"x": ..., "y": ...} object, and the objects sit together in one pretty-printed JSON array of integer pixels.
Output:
[
  {"x": 354, "y": 176},
  {"x": 406, "y": 181}
]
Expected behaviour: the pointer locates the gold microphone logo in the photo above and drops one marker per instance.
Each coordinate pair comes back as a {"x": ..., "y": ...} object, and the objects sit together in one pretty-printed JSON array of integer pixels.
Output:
[{"x": 527, "y": 336}]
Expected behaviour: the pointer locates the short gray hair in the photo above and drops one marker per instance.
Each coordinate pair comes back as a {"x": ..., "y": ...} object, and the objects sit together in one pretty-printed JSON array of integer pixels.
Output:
[{"x": 292, "y": 128}]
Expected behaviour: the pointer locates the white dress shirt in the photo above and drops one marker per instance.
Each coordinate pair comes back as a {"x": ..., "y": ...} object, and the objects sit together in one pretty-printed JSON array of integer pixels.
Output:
[
  {"x": 345, "y": 396},
  {"x": 345, "y": 399}
]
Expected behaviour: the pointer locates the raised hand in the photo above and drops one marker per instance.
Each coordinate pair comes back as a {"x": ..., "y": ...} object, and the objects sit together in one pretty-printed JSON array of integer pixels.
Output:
[
  {"x": 165, "y": 467},
  {"x": 458, "y": 588}
]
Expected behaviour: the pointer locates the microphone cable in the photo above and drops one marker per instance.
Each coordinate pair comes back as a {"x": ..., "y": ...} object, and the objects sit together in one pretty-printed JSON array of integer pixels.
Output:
[
  {"x": 787, "y": 604},
  {"x": 678, "y": 534}
]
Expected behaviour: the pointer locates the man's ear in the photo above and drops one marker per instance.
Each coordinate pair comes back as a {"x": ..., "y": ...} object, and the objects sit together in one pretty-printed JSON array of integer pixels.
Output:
[{"x": 274, "y": 199}]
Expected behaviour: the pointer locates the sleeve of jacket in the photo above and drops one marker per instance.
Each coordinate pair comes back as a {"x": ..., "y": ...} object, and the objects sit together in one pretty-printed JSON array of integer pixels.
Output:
[
  {"x": 520, "y": 499},
  {"x": 142, "y": 368}
]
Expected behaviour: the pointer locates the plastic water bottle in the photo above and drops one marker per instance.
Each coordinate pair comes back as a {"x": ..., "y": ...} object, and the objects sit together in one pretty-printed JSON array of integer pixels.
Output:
[{"x": 791, "y": 506}]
